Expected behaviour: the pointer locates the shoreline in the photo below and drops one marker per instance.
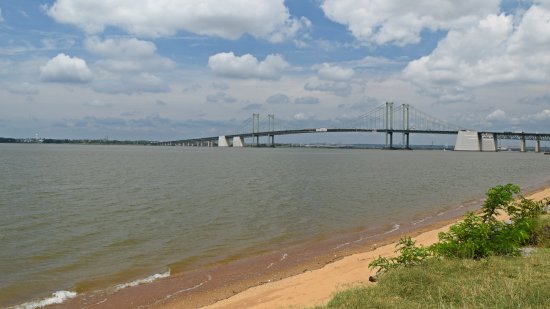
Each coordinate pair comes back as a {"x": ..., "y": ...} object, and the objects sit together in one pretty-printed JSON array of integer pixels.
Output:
[
  {"x": 316, "y": 287},
  {"x": 245, "y": 281}
]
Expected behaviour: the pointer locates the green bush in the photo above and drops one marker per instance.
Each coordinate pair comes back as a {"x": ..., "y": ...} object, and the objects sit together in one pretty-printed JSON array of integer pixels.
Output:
[
  {"x": 409, "y": 255},
  {"x": 541, "y": 232}
]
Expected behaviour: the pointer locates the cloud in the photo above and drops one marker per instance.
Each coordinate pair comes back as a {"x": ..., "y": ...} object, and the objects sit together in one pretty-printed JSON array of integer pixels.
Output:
[
  {"x": 22, "y": 88},
  {"x": 127, "y": 55},
  {"x": 538, "y": 100},
  {"x": 220, "y": 97},
  {"x": 230, "y": 19},
  {"x": 306, "y": 100},
  {"x": 401, "y": 22},
  {"x": 247, "y": 66},
  {"x": 253, "y": 107},
  {"x": 140, "y": 83},
  {"x": 334, "y": 72},
  {"x": 278, "y": 98},
  {"x": 220, "y": 86},
  {"x": 341, "y": 89},
  {"x": 98, "y": 103},
  {"x": 496, "y": 50},
  {"x": 1, "y": 17},
  {"x": 66, "y": 69},
  {"x": 497, "y": 115}
]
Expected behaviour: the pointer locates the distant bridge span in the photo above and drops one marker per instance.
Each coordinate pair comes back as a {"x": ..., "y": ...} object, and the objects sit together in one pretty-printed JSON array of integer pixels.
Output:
[{"x": 404, "y": 120}]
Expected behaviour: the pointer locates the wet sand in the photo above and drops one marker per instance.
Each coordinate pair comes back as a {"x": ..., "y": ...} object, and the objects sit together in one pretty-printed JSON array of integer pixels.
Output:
[
  {"x": 300, "y": 276},
  {"x": 316, "y": 287}
]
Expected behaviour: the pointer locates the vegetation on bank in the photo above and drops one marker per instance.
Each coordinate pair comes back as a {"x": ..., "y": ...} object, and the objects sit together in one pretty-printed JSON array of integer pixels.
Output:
[{"x": 476, "y": 264}]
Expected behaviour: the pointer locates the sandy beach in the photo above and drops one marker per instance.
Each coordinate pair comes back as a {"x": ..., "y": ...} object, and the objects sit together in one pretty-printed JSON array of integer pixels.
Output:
[{"x": 316, "y": 287}]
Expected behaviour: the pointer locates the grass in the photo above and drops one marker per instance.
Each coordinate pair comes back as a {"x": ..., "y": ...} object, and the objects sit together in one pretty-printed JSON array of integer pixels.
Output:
[
  {"x": 496, "y": 282},
  {"x": 493, "y": 282}
]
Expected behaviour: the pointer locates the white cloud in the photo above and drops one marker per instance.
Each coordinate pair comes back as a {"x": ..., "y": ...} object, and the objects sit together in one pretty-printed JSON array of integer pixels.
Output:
[
  {"x": 496, "y": 115},
  {"x": 341, "y": 89},
  {"x": 247, "y": 66},
  {"x": 278, "y": 98},
  {"x": 306, "y": 100},
  {"x": 495, "y": 50},
  {"x": 127, "y": 55},
  {"x": 402, "y": 21},
  {"x": 130, "y": 84},
  {"x": 220, "y": 97},
  {"x": 334, "y": 72},
  {"x": 66, "y": 69},
  {"x": 22, "y": 88},
  {"x": 1, "y": 17},
  {"x": 230, "y": 19}
]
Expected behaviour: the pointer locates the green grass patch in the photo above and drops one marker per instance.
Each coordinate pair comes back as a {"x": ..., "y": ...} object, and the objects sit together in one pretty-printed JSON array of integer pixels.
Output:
[{"x": 494, "y": 282}]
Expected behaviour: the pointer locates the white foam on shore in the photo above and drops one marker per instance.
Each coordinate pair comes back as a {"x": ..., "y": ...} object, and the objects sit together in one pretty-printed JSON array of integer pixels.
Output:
[
  {"x": 394, "y": 228},
  {"x": 143, "y": 280},
  {"x": 56, "y": 298}
]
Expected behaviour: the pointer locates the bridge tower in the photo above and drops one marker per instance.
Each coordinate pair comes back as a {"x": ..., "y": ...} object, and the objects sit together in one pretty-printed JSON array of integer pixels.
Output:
[
  {"x": 256, "y": 128},
  {"x": 406, "y": 128},
  {"x": 389, "y": 125},
  {"x": 271, "y": 123}
]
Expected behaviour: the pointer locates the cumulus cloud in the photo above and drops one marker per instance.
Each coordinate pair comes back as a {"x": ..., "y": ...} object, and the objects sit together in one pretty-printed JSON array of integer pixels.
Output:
[
  {"x": 401, "y": 21},
  {"x": 495, "y": 50},
  {"x": 247, "y": 66},
  {"x": 66, "y": 69},
  {"x": 127, "y": 55},
  {"x": 341, "y": 89},
  {"x": 306, "y": 100},
  {"x": 499, "y": 118},
  {"x": 334, "y": 72},
  {"x": 220, "y": 97},
  {"x": 278, "y": 98},
  {"x": 230, "y": 19}
]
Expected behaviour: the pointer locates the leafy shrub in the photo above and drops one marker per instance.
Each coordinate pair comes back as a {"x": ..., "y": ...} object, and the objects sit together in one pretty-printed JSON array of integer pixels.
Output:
[
  {"x": 498, "y": 197},
  {"x": 409, "y": 255}
]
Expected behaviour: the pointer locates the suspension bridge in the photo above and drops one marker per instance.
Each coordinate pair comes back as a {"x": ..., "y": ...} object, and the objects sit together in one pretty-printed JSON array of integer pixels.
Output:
[{"x": 387, "y": 119}]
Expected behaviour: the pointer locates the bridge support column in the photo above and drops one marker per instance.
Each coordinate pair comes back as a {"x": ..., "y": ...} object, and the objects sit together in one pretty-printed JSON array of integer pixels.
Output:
[
  {"x": 389, "y": 140},
  {"x": 522, "y": 147},
  {"x": 271, "y": 140},
  {"x": 406, "y": 141},
  {"x": 537, "y": 144},
  {"x": 222, "y": 141},
  {"x": 495, "y": 141},
  {"x": 238, "y": 141}
]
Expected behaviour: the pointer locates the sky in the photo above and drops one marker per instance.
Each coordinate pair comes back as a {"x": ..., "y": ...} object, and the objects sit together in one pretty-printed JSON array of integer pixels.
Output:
[{"x": 166, "y": 69}]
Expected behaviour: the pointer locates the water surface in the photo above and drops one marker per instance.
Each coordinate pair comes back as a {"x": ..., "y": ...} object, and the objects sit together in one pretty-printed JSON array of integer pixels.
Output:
[{"x": 76, "y": 217}]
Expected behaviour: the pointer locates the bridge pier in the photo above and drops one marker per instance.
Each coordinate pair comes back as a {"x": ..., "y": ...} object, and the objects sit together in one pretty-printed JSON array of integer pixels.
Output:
[
  {"x": 238, "y": 141},
  {"x": 271, "y": 139},
  {"x": 522, "y": 147},
  {"x": 389, "y": 140},
  {"x": 406, "y": 140},
  {"x": 222, "y": 141},
  {"x": 537, "y": 144}
]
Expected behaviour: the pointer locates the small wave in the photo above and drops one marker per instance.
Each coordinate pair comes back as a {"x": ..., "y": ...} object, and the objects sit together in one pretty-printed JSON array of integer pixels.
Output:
[
  {"x": 208, "y": 279},
  {"x": 394, "y": 228},
  {"x": 421, "y": 220},
  {"x": 142, "y": 281},
  {"x": 56, "y": 298},
  {"x": 283, "y": 257}
]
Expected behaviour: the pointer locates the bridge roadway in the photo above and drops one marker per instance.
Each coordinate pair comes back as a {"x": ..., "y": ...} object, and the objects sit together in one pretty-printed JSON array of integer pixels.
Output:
[
  {"x": 522, "y": 136},
  {"x": 303, "y": 131}
]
